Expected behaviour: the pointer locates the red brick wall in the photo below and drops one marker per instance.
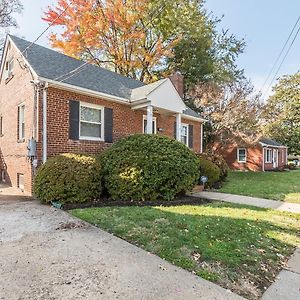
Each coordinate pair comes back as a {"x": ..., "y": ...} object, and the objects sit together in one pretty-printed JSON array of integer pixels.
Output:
[
  {"x": 13, "y": 153},
  {"x": 254, "y": 157},
  {"x": 126, "y": 122}
]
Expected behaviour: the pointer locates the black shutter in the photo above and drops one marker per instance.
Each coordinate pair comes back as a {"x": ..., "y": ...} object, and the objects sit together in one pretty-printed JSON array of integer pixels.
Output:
[
  {"x": 191, "y": 136},
  {"x": 175, "y": 127},
  {"x": 74, "y": 120},
  {"x": 108, "y": 125}
]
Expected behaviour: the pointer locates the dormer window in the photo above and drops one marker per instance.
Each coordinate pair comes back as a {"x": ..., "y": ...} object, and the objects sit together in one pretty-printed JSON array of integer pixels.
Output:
[{"x": 9, "y": 65}]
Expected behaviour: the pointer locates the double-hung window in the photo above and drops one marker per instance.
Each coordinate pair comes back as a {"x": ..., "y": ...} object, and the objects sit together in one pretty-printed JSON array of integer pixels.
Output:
[
  {"x": 154, "y": 128},
  {"x": 9, "y": 65},
  {"x": 268, "y": 156},
  {"x": 21, "y": 119},
  {"x": 184, "y": 134},
  {"x": 241, "y": 155},
  {"x": 91, "y": 122}
]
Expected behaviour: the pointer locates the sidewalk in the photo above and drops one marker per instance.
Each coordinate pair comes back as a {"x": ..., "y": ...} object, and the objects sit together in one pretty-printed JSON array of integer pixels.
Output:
[
  {"x": 259, "y": 202},
  {"x": 286, "y": 286}
]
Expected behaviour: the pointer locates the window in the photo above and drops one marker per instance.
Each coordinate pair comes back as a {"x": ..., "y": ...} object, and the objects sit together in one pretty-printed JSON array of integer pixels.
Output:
[
  {"x": 20, "y": 181},
  {"x": 1, "y": 125},
  {"x": 268, "y": 156},
  {"x": 91, "y": 122},
  {"x": 9, "y": 65},
  {"x": 154, "y": 128},
  {"x": 21, "y": 121},
  {"x": 185, "y": 134},
  {"x": 242, "y": 155},
  {"x": 3, "y": 179}
]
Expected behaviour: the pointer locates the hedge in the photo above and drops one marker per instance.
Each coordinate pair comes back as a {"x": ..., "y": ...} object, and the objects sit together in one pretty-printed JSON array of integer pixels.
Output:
[
  {"x": 68, "y": 178},
  {"x": 149, "y": 167}
]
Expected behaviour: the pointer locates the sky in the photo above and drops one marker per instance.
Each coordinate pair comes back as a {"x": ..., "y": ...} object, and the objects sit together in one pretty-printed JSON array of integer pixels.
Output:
[{"x": 264, "y": 24}]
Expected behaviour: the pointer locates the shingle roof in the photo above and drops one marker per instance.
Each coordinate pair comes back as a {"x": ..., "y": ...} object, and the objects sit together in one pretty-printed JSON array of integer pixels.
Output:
[
  {"x": 54, "y": 65},
  {"x": 51, "y": 64},
  {"x": 270, "y": 142}
]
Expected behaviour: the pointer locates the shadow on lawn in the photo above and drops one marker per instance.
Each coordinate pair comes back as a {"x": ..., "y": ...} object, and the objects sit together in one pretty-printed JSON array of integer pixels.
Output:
[{"x": 228, "y": 244}]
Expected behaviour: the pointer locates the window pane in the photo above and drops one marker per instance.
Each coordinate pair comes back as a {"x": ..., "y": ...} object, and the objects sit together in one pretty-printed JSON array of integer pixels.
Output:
[
  {"x": 90, "y": 114},
  {"x": 184, "y": 130},
  {"x": 145, "y": 125},
  {"x": 242, "y": 154},
  {"x": 90, "y": 130},
  {"x": 184, "y": 140}
]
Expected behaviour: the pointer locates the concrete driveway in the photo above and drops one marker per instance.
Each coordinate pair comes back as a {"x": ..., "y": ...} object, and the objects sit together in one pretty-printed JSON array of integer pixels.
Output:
[{"x": 47, "y": 254}]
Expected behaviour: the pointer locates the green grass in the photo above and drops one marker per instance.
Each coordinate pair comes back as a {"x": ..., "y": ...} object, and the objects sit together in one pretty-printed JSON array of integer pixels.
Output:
[
  {"x": 238, "y": 247},
  {"x": 283, "y": 186}
]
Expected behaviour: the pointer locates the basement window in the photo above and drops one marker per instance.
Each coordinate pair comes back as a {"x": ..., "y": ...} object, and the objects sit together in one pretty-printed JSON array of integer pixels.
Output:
[{"x": 20, "y": 181}]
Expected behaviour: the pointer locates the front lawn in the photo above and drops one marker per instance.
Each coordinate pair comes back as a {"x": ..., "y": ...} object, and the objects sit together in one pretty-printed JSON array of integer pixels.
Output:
[
  {"x": 283, "y": 186},
  {"x": 238, "y": 247}
]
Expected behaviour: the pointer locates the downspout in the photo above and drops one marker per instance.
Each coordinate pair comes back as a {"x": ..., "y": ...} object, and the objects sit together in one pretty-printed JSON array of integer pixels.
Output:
[
  {"x": 201, "y": 147},
  {"x": 263, "y": 160},
  {"x": 45, "y": 122}
]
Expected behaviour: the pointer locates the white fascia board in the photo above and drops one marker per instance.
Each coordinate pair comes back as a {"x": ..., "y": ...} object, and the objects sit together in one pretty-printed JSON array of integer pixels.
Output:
[
  {"x": 271, "y": 146},
  {"x": 80, "y": 90},
  {"x": 188, "y": 117},
  {"x": 8, "y": 39}
]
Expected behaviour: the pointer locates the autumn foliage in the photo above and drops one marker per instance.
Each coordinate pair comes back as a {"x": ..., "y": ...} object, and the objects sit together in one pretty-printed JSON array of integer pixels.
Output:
[{"x": 116, "y": 34}]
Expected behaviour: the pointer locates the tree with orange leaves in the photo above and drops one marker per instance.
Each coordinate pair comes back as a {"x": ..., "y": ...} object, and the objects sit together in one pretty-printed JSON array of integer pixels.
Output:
[{"x": 116, "y": 34}]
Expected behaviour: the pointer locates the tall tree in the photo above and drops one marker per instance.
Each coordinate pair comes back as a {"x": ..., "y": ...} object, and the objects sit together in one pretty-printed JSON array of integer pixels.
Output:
[
  {"x": 147, "y": 39},
  {"x": 7, "y": 10},
  {"x": 233, "y": 109},
  {"x": 282, "y": 113}
]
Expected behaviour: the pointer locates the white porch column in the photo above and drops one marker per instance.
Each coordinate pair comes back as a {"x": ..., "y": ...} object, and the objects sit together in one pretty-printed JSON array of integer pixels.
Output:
[
  {"x": 149, "y": 128},
  {"x": 178, "y": 127}
]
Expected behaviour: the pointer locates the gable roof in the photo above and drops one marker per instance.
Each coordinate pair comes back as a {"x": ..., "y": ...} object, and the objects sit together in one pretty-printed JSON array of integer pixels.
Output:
[
  {"x": 51, "y": 65},
  {"x": 269, "y": 142}
]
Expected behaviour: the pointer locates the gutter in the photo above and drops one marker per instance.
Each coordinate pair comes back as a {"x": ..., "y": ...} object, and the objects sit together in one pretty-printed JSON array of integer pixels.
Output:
[{"x": 73, "y": 88}]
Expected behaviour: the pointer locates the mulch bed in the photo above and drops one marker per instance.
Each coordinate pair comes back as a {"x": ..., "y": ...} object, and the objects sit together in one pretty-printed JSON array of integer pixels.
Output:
[{"x": 181, "y": 200}]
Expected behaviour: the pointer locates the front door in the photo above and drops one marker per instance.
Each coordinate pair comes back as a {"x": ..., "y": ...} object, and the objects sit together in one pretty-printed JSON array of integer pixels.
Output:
[{"x": 275, "y": 159}]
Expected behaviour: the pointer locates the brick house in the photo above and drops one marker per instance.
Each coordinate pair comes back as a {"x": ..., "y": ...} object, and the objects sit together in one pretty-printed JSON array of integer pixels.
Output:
[
  {"x": 263, "y": 155},
  {"x": 51, "y": 103}
]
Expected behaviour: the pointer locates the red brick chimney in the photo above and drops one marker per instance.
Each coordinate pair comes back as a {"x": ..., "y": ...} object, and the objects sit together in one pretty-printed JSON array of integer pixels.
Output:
[{"x": 178, "y": 80}]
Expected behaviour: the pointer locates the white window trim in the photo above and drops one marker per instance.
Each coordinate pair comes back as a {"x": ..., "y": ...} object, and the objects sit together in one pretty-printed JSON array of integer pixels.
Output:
[
  {"x": 21, "y": 138},
  {"x": 187, "y": 133},
  {"x": 238, "y": 155},
  {"x": 266, "y": 156},
  {"x": 8, "y": 72},
  {"x": 154, "y": 119},
  {"x": 95, "y": 106}
]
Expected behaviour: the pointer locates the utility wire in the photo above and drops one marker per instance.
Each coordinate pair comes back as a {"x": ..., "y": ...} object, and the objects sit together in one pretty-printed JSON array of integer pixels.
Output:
[
  {"x": 46, "y": 29},
  {"x": 281, "y": 52},
  {"x": 283, "y": 60}
]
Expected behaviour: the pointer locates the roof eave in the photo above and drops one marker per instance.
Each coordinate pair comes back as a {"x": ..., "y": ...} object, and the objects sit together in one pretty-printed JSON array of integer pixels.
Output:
[
  {"x": 192, "y": 118},
  {"x": 272, "y": 146},
  {"x": 74, "y": 88}
]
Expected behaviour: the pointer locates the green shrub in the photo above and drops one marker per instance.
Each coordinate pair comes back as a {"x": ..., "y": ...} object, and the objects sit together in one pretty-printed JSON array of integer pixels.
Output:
[
  {"x": 219, "y": 161},
  {"x": 68, "y": 178},
  {"x": 209, "y": 169},
  {"x": 149, "y": 167}
]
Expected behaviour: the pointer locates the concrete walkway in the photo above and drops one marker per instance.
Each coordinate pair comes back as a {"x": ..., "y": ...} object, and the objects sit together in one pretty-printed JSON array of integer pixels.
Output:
[
  {"x": 48, "y": 254},
  {"x": 287, "y": 284},
  {"x": 259, "y": 202}
]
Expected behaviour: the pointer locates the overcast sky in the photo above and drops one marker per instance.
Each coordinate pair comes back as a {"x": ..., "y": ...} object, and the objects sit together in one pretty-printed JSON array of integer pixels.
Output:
[{"x": 265, "y": 25}]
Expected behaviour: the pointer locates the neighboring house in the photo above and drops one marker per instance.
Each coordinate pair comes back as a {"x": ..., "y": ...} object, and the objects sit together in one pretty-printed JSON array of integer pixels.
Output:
[
  {"x": 263, "y": 155},
  {"x": 51, "y": 103}
]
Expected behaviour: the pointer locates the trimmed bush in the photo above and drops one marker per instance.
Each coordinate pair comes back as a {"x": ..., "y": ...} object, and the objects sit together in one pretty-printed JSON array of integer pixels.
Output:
[
  {"x": 209, "y": 169},
  {"x": 149, "y": 167},
  {"x": 68, "y": 178},
  {"x": 219, "y": 161}
]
